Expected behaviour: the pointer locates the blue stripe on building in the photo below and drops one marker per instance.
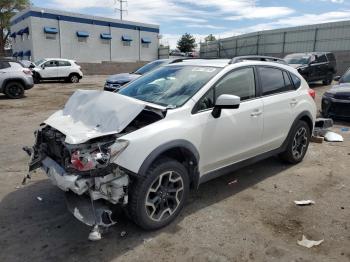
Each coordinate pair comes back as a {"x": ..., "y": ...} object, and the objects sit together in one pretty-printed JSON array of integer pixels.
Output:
[{"x": 82, "y": 21}]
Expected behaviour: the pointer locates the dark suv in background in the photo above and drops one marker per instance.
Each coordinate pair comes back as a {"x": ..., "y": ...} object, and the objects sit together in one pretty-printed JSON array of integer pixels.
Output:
[{"x": 314, "y": 66}]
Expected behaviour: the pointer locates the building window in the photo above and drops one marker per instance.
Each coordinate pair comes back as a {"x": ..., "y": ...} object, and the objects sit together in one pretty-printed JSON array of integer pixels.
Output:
[
  {"x": 50, "y": 36},
  {"x": 126, "y": 43},
  {"x": 82, "y": 39},
  {"x": 145, "y": 45}
]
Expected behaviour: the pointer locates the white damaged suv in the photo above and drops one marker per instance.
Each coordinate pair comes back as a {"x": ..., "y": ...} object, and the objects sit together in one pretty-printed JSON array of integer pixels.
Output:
[{"x": 172, "y": 129}]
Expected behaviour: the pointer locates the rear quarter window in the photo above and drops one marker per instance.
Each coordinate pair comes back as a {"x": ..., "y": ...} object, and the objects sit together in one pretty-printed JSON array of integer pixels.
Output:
[{"x": 296, "y": 81}]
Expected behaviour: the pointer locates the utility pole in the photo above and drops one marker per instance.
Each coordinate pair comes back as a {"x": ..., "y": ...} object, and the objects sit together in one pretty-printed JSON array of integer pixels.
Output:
[{"x": 121, "y": 8}]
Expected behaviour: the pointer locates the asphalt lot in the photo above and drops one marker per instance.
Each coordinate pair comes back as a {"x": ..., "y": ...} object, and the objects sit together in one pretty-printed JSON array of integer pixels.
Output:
[{"x": 253, "y": 219}]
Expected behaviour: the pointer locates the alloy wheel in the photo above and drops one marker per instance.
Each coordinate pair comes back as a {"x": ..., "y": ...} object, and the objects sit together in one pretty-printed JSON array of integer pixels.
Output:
[
  {"x": 164, "y": 196},
  {"x": 299, "y": 143}
]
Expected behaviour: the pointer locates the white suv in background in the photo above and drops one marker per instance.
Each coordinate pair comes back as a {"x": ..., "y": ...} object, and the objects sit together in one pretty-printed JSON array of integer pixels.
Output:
[
  {"x": 57, "y": 69},
  {"x": 175, "y": 127}
]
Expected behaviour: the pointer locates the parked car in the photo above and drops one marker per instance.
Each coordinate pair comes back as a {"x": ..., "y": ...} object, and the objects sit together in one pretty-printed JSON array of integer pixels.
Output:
[
  {"x": 115, "y": 82},
  {"x": 57, "y": 69},
  {"x": 314, "y": 66},
  {"x": 14, "y": 79},
  {"x": 336, "y": 101},
  {"x": 27, "y": 64},
  {"x": 169, "y": 130}
]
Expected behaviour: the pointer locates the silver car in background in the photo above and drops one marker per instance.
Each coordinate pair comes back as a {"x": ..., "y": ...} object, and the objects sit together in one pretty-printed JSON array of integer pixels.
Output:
[{"x": 14, "y": 79}]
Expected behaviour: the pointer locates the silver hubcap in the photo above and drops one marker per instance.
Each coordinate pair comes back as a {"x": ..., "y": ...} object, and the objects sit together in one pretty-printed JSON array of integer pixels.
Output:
[
  {"x": 74, "y": 79},
  {"x": 299, "y": 143},
  {"x": 164, "y": 196}
]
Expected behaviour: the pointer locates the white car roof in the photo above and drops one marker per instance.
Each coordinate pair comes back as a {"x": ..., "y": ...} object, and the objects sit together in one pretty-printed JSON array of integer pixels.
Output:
[
  {"x": 226, "y": 62},
  {"x": 59, "y": 59}
]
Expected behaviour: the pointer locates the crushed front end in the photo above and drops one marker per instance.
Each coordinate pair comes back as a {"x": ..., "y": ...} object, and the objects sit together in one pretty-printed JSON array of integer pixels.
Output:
[{"x": 94, "y": 184}]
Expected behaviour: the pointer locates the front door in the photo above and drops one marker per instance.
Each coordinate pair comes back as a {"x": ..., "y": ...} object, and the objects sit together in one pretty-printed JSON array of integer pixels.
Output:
[
  {"x": 236, "y": 134},
  {"x": 50, "y": 69}
]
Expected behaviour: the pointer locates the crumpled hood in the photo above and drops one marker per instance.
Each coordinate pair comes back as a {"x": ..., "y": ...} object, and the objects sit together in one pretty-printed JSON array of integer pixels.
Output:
[
  {"x": 90, "y": 113},
  {"x": 122, "y": 78}
]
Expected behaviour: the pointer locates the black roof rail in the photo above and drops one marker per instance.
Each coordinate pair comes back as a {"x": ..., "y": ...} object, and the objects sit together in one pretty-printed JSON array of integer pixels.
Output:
[{"x": 238, "y": 59}]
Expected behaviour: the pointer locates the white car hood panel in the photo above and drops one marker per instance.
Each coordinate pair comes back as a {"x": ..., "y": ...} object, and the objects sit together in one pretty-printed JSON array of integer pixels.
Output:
[{"x": 90, "y": 113}]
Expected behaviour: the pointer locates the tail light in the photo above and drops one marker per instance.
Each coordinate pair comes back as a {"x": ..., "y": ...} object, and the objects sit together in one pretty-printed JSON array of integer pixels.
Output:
[
  {"x": 27, "y": 72},
  {"x": 312, "y": 93}
]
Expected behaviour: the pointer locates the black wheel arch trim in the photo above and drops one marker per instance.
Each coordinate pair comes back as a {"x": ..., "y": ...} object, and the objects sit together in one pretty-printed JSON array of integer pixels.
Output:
[
  {"x": 9, "y": 80},
  {"x": 178, "y": 143}
]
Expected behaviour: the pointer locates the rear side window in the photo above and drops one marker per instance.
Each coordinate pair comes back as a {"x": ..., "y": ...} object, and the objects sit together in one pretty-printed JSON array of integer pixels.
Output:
[
  {"x": 321, "y": 59},
  {"x": 272, "y": 80},
  {"x": 64, "y": 63},
  {"x": 296, "y": 81},
  {"x": 331, "y": 57}
]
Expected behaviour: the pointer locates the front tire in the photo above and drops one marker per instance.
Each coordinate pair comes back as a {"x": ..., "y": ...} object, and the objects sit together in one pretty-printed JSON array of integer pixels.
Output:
[
  {"x": 14, "y": 90},
  {"x": 158, "y": 198},
  {"x": 298, "y": 143}
]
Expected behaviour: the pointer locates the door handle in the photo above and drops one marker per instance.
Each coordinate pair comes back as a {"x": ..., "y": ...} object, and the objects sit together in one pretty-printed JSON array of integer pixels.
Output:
[{"x": 257, "y": 112}]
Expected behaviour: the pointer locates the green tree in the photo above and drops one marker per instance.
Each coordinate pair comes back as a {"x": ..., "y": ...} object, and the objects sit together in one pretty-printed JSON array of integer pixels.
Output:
[
  {"x": 209, "y": 38},
  {"x": 7, "y": 9},
  {"x": 186, "y": 43}
]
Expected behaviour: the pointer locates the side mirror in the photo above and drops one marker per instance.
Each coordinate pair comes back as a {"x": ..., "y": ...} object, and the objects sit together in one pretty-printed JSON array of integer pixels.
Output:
[
  {"x": 337, "y": 78},
  {"x": 225, "y": 102},
  {"x": 31, "y": 66},
  {"x": 43, "y": 67}
]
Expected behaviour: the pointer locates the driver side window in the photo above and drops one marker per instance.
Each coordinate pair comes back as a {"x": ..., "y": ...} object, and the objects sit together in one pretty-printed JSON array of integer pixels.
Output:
[
  {"x": 51, "y": 64},
  {"x": 239, "y": 82}
]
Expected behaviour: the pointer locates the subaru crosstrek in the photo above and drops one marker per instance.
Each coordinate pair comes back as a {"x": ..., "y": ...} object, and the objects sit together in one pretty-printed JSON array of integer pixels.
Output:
[{"x": 172, "y": 129}]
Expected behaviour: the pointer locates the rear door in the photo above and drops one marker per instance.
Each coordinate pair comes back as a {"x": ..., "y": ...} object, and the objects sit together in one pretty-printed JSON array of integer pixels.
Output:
[
  {"x": 278, "y": 97},
  {"x": 50, "y": 69},
  {"x": 64, "y": 68}
]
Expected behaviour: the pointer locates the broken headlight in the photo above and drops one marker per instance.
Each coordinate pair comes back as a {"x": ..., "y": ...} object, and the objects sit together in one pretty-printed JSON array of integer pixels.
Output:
[{"x": 85, "y": 160}]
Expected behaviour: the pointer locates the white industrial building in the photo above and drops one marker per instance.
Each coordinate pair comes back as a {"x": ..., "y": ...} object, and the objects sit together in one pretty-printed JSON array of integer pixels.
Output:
[{"x": 38, "y": 33}]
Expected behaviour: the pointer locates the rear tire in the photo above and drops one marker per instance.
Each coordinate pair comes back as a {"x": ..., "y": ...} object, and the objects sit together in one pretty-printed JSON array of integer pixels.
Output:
[
  {"x": 157, "y": 199},
  {"x": 14, "y": 90},
  {"x": 36, "y": 78},
  {"x": 74, "y": 78},
  {"x": 298, "y": 143},
  {"x": 328, "y": 80}
]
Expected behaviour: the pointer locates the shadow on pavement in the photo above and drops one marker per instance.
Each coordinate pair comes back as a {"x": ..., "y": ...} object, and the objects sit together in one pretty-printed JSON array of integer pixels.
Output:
[{"x": 33, "y": 230}]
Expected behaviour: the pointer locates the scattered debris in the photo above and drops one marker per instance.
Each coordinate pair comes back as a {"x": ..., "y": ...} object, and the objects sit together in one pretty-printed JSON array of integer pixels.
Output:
[
  {"x": 342, "y": 207},
  {"x": 333, "y": 137},
  {"x": 323, "y": 123},
  {"x": 146, "y": 240},
  {"x": 233, "y": 182},
  {"x": 309, "y": 243},
  {"x": 317, "y": 139},
  {"x": 275, "y": 186},
  {"x": 95, "y": 234},
  {"x": 18, "y": 187},
  {"x": 344, "y": 129},
  {"x": 304, "y": 202},
  {"x": 39, "y": 198},
  {"x": 123, "y": 233}
]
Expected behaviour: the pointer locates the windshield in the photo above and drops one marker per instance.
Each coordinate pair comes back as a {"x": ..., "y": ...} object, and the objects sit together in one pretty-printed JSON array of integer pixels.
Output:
[
  {"x": 297, "y": 59},
  {"x": 150, "y": 66},
  {"x": 170, "y": 86},
  {"x": 40, "y": 62},
  {"x": 346, "y": 77}
]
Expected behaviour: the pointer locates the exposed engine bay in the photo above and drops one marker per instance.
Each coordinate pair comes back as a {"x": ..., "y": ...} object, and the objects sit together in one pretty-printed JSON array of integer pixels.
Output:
[{"x": 88, "y": 169}]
